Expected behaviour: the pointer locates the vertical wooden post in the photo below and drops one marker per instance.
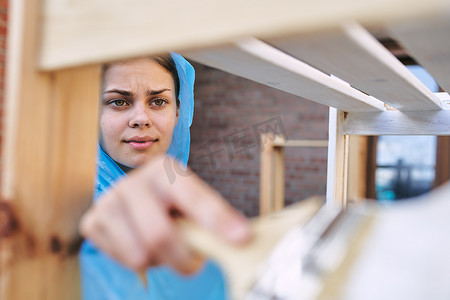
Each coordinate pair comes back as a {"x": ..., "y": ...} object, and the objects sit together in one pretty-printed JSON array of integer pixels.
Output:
[
  {"x": 337, "y": 169},
  {"x": 278, "y": 160},
  {"x": 49, "y": 166},
  {"x": 442, "y": 160},
  {"x": 371, "y": 166},
  {"x": 357, "y": 168},
  {"x": 272, "y": 175}
]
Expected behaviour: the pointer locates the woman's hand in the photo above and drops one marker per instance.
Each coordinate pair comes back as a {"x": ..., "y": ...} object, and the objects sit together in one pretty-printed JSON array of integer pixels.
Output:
[{"x": 134, "y": 221}]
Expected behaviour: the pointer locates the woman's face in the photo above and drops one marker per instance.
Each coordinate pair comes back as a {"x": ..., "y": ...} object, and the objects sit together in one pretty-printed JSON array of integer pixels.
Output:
[{"x": 138, "y": 111}]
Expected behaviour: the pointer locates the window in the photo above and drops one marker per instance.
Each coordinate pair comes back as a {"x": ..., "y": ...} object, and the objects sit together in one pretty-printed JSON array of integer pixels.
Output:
[{"x": 406, "y": 165}]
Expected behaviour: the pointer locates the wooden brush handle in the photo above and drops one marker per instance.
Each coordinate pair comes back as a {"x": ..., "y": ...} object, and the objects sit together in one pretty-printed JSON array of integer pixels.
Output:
[{"x": 240, "y": 263}]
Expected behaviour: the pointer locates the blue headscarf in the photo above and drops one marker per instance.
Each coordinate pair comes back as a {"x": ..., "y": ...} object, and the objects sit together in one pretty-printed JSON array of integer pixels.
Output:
[
  {"x": 103, "y": 277},
  {"x": 181, "y": 136}
]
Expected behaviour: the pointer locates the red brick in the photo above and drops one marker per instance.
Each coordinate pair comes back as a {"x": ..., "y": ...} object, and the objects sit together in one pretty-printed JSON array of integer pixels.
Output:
[
  {"x": 4, "y": 4},
  {"x": 226, "y": 104}
]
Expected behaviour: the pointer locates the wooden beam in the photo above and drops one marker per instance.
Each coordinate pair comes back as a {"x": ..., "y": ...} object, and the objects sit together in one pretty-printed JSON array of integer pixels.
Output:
[
  {"x": 351, "y": 53},
  {"x": 302, "y": 143},
  {"x": 371, "y": 166},
  {"x": 49, "y": 169},
  {"x": 397, "y": 122},
  {"x": 427, "y": 41},
  {"x": 442, "y": 161},
  {"x": 278, "y": 201},
  {"x": 357, "y": 168},
  {"x": 255, "y": 60},
  {"x": 337, "y": 163},
  {"x": 271, "y": 191},
  {"x": 84, "y": 32}
]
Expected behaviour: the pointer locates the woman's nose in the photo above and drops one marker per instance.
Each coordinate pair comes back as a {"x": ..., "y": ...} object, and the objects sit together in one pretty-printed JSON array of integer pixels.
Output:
[{"x": 140, "y": 117}]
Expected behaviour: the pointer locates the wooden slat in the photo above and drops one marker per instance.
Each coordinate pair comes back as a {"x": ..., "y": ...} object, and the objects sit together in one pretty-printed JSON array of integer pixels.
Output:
[
  {"x": 331, "y": 156},
  {"x": 80, "y": 32},
  {"x": 271, "y": 191},
  {"x": 49, "y": 169},
  {"x": 442, "y": 161},
  {"x": 266, "y": 192},
  {"x": 337, "y": 163},
  {"x": 396, "y": 122},
  {"x": 400, "y": 252},
  {"x": 357, "y": 168},
  {"x": 429, "y": 43},
  {"x": 278, "y": 201},
  {"x": 351, "y": 53},
  {"x": 302, "y": 143},
  {"x": 252, "y": 59}
]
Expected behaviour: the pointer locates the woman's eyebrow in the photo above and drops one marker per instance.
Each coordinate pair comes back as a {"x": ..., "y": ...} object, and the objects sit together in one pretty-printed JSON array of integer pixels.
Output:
[
  {"x": 121, "y": 92},
  {"x": 156, "y": 92}
]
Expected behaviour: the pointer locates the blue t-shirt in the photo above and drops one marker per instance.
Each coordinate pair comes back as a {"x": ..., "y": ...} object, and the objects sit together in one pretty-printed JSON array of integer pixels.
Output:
[{"x": 105, "y": 279}]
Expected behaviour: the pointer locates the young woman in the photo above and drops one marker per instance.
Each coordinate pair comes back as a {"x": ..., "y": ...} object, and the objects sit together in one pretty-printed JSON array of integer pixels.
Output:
[{"x": 146, "y": 111}]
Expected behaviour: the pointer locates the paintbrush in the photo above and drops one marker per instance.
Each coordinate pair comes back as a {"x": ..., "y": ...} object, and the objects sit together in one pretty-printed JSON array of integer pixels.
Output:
[{"x": 242, "y": 264}]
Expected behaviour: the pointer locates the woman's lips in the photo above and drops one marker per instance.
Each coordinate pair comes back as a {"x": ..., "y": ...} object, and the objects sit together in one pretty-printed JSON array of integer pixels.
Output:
[{"x": 140, "y": 143}]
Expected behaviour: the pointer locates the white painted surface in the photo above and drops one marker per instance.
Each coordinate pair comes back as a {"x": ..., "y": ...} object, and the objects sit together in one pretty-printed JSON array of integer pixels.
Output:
[
  {"x": 428, "y": 41},
  {"x": 255, "y": 60},
  {"x": 406, "y": 255},
  {"x": 350, "y": 52},
  {"x": 398, "y": 122},
  {"x": 331, "y": 161}
]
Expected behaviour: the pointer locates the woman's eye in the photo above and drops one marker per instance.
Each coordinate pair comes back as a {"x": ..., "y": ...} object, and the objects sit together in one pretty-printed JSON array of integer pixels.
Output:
[
  {"x": 159, "y": 102},
  {"x": 118, "y": 102}
]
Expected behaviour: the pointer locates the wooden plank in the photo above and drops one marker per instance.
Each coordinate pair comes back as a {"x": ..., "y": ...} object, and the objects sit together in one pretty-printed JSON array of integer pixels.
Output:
[
  {"x": 266, "y": 192},
  {"x": 342, "y": 145},
  {"x": 302, "y": 143},
  {"x": 255, "y": 60},
  {"x": 278, "y": 201},
  {"x": 337, "y": 164},
  {"x": 271, "y": 191},
  {"x": 444, "y": 97},
  {"x": 396, "y": 122},
  {"x": 48, "y": 175},
  {"x": 81, "y": 32},
  {"x": 357, "y": 168},
  {"x": 442, "y": 161},
  {"x": 427, "y": 41},
  {"x": 351, "y": 53},
  {"x": 372, "y": 142},
  {"x": 331, "y": 156},
  {"x": 389, "y": 254}
]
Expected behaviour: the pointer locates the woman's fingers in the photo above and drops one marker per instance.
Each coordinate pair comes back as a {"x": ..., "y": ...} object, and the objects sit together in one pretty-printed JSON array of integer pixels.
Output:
[
  {"x": 132, "y": 227},
  {"x": 196, "y": 200},
  {"x": 133, "y": 222},
  {"x": 153, "y": 225},
  {"x": 105, "y": 225}
]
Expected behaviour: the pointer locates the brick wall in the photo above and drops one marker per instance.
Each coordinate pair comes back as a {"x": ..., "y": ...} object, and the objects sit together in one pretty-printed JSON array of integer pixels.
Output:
[{"x": 229, "y": 111}]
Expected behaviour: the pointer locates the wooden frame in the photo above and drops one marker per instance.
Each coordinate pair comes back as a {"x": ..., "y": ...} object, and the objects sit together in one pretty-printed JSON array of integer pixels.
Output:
[
  {"x": 50, "y": 130},
  {"x": 337, "y": 168},
  {"x": 271, "y": 188},
  {"x": 49, "y": 166}
]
